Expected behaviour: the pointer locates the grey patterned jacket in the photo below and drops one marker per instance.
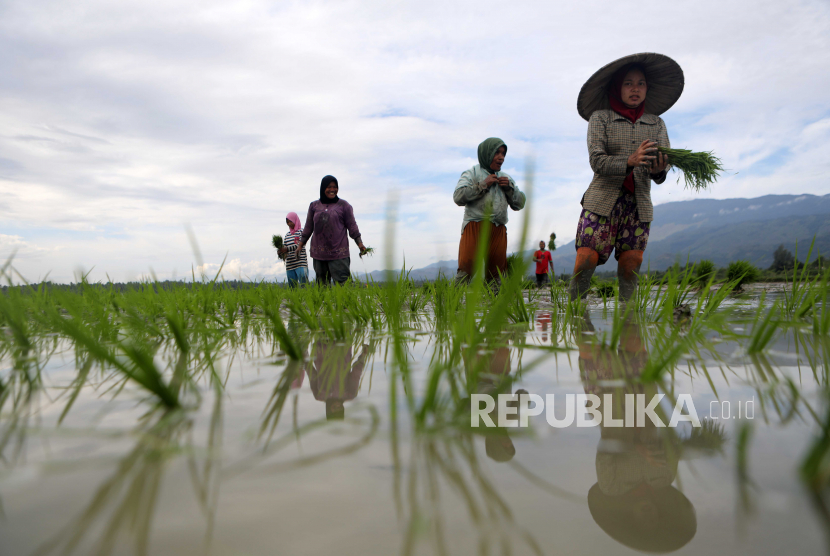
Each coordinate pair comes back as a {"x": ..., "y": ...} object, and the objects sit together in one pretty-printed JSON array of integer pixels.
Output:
[
  {"x": 611, "y": 140},
  {"x": 470, "y": 194}
]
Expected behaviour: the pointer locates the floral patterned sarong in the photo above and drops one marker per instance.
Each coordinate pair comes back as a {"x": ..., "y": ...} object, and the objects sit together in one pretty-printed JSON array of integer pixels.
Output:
[{"x": 619, "y": 232}]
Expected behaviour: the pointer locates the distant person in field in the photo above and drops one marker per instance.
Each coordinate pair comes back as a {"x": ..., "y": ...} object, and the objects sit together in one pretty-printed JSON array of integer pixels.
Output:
[
  {"x": 482, "y": 185},
  {"x": 622, "y": 102},
  {"x": 329, "y": 220},
  {"x": 543, "y": 263},
  {"x": 296, "y": 263}
]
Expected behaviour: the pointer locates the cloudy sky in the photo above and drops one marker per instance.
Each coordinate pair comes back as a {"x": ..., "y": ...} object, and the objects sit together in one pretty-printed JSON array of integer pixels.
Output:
[{"x": 124, "y": 122}]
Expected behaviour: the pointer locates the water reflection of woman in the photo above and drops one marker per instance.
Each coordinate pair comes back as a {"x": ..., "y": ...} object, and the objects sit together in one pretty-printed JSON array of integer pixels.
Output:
[
  {"x": 491, "y": 373},
  {"x": 633, "y": 500},
  {"x": 333, "y": 378}
]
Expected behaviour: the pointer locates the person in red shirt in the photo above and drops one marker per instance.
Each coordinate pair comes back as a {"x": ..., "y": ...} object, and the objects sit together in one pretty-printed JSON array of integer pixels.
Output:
[{"x": 542, "y": 260}]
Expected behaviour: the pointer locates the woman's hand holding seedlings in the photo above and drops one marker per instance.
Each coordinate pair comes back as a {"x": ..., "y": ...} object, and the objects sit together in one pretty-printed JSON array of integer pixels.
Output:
[
  {"x": 644, "y": 155},
  {"x": 361, "y": 247},
  {"x": 489, "y": 180},
  {"x": 660, "y": 165},
  {"x": 282, "y": 250}
]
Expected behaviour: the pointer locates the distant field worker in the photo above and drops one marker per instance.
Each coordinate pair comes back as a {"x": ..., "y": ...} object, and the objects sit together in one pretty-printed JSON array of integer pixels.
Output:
[
  {"x": 329, "y": 219},
  {"x": 479, "y": 186},
  {"x": 296, "y": 262},
  {"x": 543, "y": 261},
  {"x": 622, "y": 102}
]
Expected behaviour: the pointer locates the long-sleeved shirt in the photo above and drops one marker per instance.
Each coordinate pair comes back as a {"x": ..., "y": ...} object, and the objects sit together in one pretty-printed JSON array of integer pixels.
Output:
[
  {"x": 295, "y": 258},
  {"x": 329, "y": 224},
  {"x": 471, "y": 194},
  {"x": 612, "y": 138}
]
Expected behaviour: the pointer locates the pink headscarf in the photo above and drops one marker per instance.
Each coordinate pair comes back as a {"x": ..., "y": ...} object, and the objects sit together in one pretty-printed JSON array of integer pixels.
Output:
[{"x": 292, "y": 216}]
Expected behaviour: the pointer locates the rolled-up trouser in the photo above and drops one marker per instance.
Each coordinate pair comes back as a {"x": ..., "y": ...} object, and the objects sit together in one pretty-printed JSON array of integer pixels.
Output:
[
  {"x": 495, "y": 256},
  {"x": 337, "y": 270}
]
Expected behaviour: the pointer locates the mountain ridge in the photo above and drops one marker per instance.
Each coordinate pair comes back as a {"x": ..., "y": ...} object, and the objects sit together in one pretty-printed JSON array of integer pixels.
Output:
[{"x": 720, "y": 230}]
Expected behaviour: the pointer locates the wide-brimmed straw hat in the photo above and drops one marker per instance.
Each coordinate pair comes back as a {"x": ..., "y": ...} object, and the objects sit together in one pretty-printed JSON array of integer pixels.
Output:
[
  {"x": 665, "y": 84},
  {"x": 674, "y": 525}
]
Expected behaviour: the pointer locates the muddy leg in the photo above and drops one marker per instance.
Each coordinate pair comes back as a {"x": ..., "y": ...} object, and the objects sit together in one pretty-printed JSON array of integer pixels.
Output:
[
  {"x": 628, "y": 267},
  {"x": 586, "y": 263}
]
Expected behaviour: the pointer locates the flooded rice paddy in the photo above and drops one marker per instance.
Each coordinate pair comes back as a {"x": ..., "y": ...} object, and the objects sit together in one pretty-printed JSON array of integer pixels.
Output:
[{"x": 206, "y": 420}]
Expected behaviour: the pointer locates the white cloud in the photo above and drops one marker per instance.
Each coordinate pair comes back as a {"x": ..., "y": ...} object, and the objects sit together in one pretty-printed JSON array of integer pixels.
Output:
[
  {"x": 18, "y": 248},
  {"x": 123, "y": 121}
]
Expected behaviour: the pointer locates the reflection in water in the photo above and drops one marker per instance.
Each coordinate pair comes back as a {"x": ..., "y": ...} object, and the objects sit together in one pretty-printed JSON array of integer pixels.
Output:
[
  {"x": 127, "y": 500},
  {"x": 491, "y": 372},
  {"x": 333, "y": 376},
  {"x": 634, "y": 500},
  {"x": 543, "y": 318},
  {"x": 444, "y": 488},
  {"x": 444, "y": 459}
]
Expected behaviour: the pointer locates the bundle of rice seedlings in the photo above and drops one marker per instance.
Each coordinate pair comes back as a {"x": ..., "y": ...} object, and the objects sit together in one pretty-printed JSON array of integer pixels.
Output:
[
  {"x": 367, "y": 251},
  {"x": 276, "y": 241},
  {"x": 552, "y": 242},
  {"x": 700, "y": 170},
  {"x": 602, "y": 288}
]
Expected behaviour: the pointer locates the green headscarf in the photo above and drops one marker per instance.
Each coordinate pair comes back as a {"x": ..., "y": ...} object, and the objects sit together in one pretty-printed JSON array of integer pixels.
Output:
[{"x": 487, "y": 151}]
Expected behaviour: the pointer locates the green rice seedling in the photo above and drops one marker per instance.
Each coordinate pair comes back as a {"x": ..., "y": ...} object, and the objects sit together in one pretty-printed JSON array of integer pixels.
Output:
[
  {"x": 418, "y": 300},
  {"x": 763, "y": 329},
  {"x": 678, "y": 290},
  {"x": 647, "y": 284},
  {"x": 335, "y": 326},
  {"x": 603, "y": 289},
  {"x": 368, "y": 251},
  {"x": 286, "y": 342},
  {"x": 134, "y": 360},
  {"x": 821, "y": 309},
  {"x": 276, "y": 241},
  {"x": 742, "y": 272},
  {"x": 704, "y": 271},
  {"x": 621, "y": 317},
  {"x": 559, "y": 297},
  {"x": 709, "y": 301},
  {"x": 698, "y": 169},
  {"x": 14, "y": 318},
  {"x": 518, "y": 311},
  {"x": 668, "y": 346},
  {"x": 799, "y": 299},
  {"x": 447, "y": 300},
  {"x": 514, "y": 261}
]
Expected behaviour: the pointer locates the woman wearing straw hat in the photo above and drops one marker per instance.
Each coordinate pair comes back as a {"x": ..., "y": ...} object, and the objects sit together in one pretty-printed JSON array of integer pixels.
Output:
[{"x": 622, "y": 102}]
